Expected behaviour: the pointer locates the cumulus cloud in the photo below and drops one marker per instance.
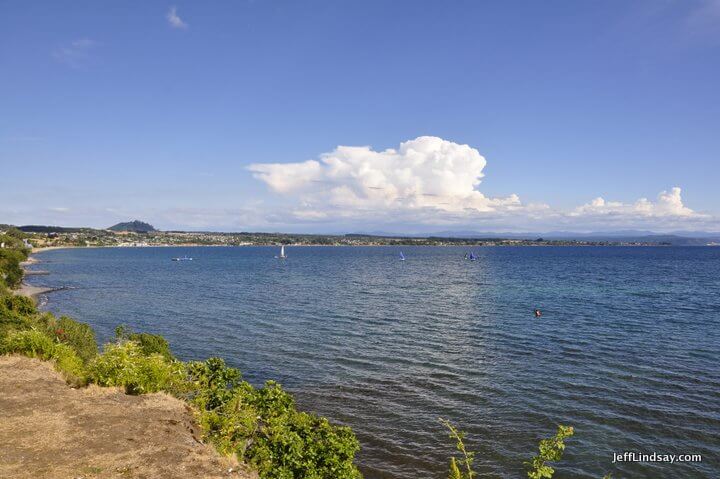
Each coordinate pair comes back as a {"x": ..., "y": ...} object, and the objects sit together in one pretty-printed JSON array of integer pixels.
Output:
[
  {"x": 174, "y": 19},
  {"x": 425, "y": 174},
  {"x": 432, "y": 181},
  {"x": 668, "y": 204}
]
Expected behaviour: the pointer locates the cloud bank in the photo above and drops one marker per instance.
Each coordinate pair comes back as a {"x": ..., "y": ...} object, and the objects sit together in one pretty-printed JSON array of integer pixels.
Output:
[{"x": 429, "y": 180}]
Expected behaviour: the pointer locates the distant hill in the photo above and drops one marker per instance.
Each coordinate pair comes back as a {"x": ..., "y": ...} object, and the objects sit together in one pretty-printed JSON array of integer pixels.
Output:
[
  {"x": 52, "y": 229},
  {"x": 133, "y": 227}
]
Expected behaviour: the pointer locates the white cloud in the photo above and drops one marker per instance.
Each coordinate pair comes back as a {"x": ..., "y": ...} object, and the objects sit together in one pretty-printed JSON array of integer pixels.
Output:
[
  {"x": 174, "y": 20},
  {"x": 668, "y": 204},
  {"x": 75, "y": 54},
  {"x": 427, "y": 174},
  {"x": 431, "y": 181}
]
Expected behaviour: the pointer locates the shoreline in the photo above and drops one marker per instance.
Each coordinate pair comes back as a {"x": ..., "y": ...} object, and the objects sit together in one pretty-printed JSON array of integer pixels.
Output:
[
  {"x": 31, "y": 291},
  {"x": 399, "y": 245}
]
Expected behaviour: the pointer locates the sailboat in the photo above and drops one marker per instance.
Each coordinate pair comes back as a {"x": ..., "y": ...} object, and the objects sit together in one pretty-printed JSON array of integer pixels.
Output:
[
  {"x": 402, "y": 256},
  {"x": 472, "y": 256},
  {"x": 282, "y": 253}
]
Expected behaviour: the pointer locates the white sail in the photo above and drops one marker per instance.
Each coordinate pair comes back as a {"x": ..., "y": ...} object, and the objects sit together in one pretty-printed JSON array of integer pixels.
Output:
[{"x": 282, "y": 251}]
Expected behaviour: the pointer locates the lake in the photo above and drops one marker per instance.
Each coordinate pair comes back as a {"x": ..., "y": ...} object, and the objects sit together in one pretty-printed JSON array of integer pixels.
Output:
[{"x": 627, "y": 349}]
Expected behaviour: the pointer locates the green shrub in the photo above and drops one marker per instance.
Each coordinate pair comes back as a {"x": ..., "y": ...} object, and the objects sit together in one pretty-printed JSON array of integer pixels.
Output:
[
  {"x": 18, "y": 304},
  {"x": 290, "y": 443},
  {"x": 149, "y": 343},
  {"x": 36, "y": 344},
  {"x": 15, "y": 311},
  {"x": 12, "y": 318},
  {"x": 70, "y": 364},
  {"x": 231, "y": 427},
  {"x": 263, "y": 428},
  {"x": 211, "y": 383},
  {"x": 11, "y": 273},
  {"x": 30, "y": 343},
  {"x": 125, "y": 364},
  {"x": 79, "y": 336}
]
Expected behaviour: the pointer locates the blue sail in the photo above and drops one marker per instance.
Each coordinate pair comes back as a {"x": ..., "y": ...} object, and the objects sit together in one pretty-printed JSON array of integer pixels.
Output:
[{"x": 402, "y": 256}]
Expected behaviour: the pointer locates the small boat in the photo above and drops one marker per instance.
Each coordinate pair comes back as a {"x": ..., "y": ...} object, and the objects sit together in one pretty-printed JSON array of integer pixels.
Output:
[
  {"x": 472, "y": 256},
  {"x": 282, "y": 254},
  {"x": 402, "y": 256},
  {"x": 183, "y": 258}
]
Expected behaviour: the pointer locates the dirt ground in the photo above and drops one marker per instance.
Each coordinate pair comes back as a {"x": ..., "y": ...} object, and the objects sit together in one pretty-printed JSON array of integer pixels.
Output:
[{"x": 49, "y": 430}]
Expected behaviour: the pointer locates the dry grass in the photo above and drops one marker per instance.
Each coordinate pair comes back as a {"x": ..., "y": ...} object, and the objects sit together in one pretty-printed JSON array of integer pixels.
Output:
[{"x": 49, "y": 430}]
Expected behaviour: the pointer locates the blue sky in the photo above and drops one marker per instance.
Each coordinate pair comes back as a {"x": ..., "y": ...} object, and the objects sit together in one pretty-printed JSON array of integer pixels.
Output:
[{"x": 235, "y": 115}]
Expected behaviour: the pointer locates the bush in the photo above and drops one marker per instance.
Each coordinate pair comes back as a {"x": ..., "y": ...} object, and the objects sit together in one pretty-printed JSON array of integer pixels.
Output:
[
  {"x": 70, "y": 364},
  {"x": 263, "y": 428},
  {"x": 17, "y": 304},
  {"x": 30, "y": 343},
  {"x": 211, "y": 383},
  {"x": 216, "y": 390},
  {"x": 78, "y": 335},
  {"x": 36, "y": 344},
  {"x": 15, "y": 314},
  {"x": 125, "y": 364},
  {"x": 11, "y": 272},
  {"x": 291, "y": 444},
  {"x": 149, "y": 343}
]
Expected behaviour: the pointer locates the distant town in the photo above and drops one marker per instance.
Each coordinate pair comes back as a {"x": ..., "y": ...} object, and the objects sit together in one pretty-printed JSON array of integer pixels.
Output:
[{"x": 141, "y": 234}]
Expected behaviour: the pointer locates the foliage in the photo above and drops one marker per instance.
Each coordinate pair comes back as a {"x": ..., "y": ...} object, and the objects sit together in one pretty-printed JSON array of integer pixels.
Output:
[
  {"x": 13, "y": 234},
  {"x": 11, "y": 272},
  {"x": 19, "y": 304},
  {"x": 149, "y": 343},
  {"x": 213, "y": 382},
  {"x": 125, "y": 364},
  {"x": 263, "y": 427},
  {"x": 291, "y": 444},
  {"x": 79, "y": 336},
  {"x": 15, "y": 314},
  {"x": 70, "y": 364},
  {"x": 460, "y": 468},
  {"x": 36, "y": 344},
  {"x": 551, "y": 450},
  {"x": 31, "y": 343}
]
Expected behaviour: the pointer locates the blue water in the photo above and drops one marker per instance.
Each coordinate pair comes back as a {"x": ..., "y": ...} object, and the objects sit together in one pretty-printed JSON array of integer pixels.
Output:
[{"x": 627, "y": 350}]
